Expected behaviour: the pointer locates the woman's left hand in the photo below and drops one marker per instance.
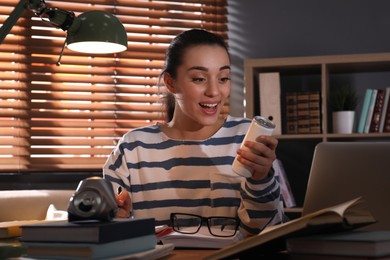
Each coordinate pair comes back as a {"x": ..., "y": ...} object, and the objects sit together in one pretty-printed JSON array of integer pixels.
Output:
[{"x": 260, "y": 156}]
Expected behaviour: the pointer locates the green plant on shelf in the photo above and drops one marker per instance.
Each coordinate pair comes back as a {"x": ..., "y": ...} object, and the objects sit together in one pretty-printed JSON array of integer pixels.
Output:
[{"x": 343, "y": 98}]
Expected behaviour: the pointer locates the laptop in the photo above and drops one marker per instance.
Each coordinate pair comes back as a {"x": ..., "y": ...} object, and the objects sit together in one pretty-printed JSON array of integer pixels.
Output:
[{"x": 342, "y": 171}]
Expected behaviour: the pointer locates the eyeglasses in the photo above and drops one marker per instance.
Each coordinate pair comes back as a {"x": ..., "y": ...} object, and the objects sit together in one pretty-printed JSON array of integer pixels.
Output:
[{"x": 217, "y": 226}]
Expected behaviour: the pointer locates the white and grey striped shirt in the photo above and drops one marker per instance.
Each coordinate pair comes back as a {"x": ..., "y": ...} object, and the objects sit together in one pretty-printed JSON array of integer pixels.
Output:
[{"x": 165, "y": 175}]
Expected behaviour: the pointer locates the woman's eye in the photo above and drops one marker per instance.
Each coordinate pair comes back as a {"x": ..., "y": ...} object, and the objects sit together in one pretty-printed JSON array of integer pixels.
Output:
[
  {"x": 198, "y": 80},
  {"x": 224, "y": 80}
]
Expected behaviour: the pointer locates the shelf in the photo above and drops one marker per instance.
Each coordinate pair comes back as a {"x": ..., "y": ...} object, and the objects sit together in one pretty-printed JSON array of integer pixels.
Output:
[
  {"x": 333, "y": 136},
  {"x": 323, "y": 71}
]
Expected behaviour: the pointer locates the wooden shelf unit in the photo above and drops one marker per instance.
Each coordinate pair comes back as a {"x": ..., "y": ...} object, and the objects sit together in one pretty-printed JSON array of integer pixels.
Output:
[{"x": 324, "y": 67}]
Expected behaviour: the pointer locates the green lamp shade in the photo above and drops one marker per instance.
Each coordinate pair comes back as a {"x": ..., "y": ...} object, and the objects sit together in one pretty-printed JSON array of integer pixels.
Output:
[{"x": 96, "y": 32}]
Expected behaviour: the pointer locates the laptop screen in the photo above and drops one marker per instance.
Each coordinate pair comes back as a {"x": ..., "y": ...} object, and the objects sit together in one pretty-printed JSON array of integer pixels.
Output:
[{"x": 342, "y": 171}]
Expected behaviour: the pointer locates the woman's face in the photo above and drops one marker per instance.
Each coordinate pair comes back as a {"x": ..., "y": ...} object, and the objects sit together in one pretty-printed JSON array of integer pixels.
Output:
[{"x": 202, "y": 85}]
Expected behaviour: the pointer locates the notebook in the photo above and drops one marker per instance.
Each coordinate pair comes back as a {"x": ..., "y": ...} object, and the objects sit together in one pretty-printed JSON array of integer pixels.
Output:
[{"x": 341, "y": 171}]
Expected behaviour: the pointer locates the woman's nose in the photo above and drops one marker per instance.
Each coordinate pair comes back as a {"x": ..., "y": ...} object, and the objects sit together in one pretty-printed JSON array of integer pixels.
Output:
[{"x": 212, "y": 89}]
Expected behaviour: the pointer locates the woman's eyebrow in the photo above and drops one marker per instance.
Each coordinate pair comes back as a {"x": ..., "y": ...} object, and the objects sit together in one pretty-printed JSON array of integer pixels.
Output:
[
  {"x": 198, "y": 68},
  {"x": 226, "y": 67}
]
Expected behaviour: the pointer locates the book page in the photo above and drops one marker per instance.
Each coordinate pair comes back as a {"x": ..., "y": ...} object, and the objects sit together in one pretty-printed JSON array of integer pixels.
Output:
[{"x": 202, "y": 239}]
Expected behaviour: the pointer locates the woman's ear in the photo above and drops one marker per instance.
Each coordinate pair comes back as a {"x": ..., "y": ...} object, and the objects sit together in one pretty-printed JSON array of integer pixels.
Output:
[{"x": 169, "y": 82}]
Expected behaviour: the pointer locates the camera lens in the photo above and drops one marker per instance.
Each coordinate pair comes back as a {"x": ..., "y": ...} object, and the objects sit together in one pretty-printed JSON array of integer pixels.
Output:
[{"x": 87, "y": 203}]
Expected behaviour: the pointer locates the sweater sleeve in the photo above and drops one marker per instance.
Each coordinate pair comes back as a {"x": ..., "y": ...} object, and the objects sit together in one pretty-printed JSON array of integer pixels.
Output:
[
  {"x": 115, "y": 168},
  {"x": 261, "y": 204}
]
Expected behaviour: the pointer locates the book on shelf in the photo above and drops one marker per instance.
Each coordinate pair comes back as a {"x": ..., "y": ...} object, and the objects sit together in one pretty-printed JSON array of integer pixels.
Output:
[
  {"x": 377, "y": 111},
  {"x": 201, "y": 239},
  {"x": 364, "y": 111},
  {"x": 110, "y": 250},
  {"x": 89, "y": 231},
  {"x": 384, "y": 110},
  {"x": 314, "y": 112},
  {"x": 386, "y": 119},
  {"x": 370, "y": 111},
  {"x": 303, "y": 113},
  {"x": 285, "y": 188},
  {"x": 269, "y": 90},
  {"x": 352, "y": 243},
  {"x": 345, "y": 216},
  {"x": 291, "y": 113}
]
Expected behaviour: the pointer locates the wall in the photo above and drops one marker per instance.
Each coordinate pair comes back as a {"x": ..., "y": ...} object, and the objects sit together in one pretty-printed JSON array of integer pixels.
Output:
[{"x": 285, "y": 28}]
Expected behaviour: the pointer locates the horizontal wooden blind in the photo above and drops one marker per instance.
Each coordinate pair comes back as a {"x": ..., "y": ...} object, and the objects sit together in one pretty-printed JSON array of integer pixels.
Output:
[{"x": 69, "y": 117}]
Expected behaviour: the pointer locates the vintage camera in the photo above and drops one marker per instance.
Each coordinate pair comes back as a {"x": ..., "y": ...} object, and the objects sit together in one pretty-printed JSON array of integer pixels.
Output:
[{"x": 94, "y": 199}]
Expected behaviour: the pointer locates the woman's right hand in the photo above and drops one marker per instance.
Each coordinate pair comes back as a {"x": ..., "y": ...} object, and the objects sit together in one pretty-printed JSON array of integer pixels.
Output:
[{"x": 124, "y": 203}]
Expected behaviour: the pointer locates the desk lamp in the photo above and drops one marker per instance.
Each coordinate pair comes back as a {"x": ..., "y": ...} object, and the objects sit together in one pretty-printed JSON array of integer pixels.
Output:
[{"x": 91, "y": 32}]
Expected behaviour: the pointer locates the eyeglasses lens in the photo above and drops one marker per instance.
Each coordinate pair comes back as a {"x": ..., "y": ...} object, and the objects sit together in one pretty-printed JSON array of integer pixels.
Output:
[
  {"x": 222, "y": 227},
  {"x": 186, "y": 223}
]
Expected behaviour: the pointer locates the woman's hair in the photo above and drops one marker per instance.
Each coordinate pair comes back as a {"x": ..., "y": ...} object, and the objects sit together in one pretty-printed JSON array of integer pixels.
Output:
[{"x": 175, "y": 53}]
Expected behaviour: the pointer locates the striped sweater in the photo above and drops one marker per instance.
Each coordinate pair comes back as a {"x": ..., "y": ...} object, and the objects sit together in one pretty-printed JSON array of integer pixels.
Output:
[{"x": 164, "y": 175}]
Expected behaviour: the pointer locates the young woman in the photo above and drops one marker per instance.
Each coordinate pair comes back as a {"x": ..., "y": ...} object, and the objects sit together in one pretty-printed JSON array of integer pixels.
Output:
[{"x": 185, "y": 164}]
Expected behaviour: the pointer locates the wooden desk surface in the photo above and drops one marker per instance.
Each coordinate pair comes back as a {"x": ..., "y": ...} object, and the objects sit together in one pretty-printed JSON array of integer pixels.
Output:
[
  {"x": 188, "y": 254},
  {"x": 198, "y": 254}
]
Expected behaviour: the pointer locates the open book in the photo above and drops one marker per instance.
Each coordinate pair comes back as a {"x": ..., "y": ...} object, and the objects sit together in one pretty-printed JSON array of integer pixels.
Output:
[
  {"x": 345, "y": 216},
  {"x": 202, "y": 239}
]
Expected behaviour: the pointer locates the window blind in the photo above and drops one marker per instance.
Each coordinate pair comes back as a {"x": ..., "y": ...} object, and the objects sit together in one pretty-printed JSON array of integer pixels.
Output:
[{"x": 69, "y": 117}]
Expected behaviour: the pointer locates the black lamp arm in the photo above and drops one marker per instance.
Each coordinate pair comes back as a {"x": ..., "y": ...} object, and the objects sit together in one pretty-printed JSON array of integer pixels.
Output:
[{"x": 56, "y": 17}]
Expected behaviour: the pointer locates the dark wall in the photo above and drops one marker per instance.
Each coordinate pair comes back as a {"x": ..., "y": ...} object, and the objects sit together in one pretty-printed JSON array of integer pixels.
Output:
[
  {"x": 306, "y": 27},
  {"x": 285, "y": 28}
]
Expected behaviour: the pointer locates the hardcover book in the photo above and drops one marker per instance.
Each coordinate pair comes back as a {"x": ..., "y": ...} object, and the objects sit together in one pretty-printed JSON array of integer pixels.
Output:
[
  {"x": 386, "y": 120},
  {"x": 370, "y": 111},
  {"x": 364, "y": 111},
  {"x": 303, "y": 113},
  {"x": 88, "y": 231},
  {"x": 291, "y": 113},
  {"x": 108, "y": 250},
  {"x": 315, "y": 112},
  {"x": 352, "y": 243},
  {"x": 377, "y": 112},
  {"x": 384, "y": 110}
]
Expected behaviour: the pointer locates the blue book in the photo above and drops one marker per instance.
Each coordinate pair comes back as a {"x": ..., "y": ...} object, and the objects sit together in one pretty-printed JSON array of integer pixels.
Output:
[
  {"x": 370, "y": 111},
  {"x": 364, "y": 112},
  {"x": 91, "y": 251}
]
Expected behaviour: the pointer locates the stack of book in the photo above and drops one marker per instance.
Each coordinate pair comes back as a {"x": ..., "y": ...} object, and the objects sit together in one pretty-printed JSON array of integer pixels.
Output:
[
  {"x": 89, "y": 239},
  {"x": 375, "y": 113},
  {"x": 303, "y": 112},
  {"x": 345, "y": 245}
]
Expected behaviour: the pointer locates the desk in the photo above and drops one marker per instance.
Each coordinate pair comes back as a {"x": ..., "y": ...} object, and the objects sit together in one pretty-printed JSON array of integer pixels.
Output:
[
  {"x": 188, "y": 254},
  {"x": 198, "y": 254}
]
